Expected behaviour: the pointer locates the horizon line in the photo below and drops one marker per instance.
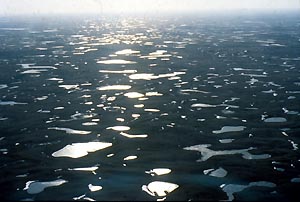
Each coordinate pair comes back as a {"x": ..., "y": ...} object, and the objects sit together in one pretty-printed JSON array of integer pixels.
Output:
[{"x": 151, "y": 12}]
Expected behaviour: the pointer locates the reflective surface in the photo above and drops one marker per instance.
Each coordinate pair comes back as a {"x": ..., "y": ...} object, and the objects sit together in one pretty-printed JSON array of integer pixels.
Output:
[{"x": 193, "y": 107}]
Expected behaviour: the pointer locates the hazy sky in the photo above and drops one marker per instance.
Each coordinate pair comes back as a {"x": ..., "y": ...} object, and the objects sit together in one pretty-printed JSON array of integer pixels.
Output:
[{"x": 8, "y": 7}]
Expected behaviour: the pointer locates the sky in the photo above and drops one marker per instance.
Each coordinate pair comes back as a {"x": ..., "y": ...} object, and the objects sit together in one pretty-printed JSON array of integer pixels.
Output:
[{"x": 15, "y": 7}]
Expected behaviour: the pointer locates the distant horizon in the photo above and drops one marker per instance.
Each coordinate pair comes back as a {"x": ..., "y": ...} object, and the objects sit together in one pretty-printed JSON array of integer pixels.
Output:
[
  {"x": 52, "y": 7},
  {"x": 214, "y": 13}
]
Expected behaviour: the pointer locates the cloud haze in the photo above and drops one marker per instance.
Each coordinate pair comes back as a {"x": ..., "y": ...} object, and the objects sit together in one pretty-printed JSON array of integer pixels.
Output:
[{"x": 12, "y": 7}]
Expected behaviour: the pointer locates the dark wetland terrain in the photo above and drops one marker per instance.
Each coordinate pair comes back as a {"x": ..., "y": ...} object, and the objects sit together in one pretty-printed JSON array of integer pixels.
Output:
[{"x": 190, "y": 107}]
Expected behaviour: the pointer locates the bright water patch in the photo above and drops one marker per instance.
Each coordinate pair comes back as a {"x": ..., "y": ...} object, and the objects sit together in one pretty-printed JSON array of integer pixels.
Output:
[
  {"x": 226, "y": 129},
  {"x": 152, "y": 110},
  {"x": 115, "y": 87},
  {"x": 35, "y": 187},
  {"x": 225, "y": 141},
  {"x": 42, "y": 98},
  {"x": 90, "y": 169},
  {"x": 71, "y": 131},
  {"x": 119, "y": 128},
  {"x": 127, "y": 52},
  {"x": 128, "y": 158},
  {"x": 139, "y": 106},
  {"x": 134, "y": 95},
  {"x": 12, "y": 103},
  {"x": 132, "y": 136},
  {"x": 150, "y": 76},
  {"x": 275, "y": 120},
  {"x": 3, "y": 86},
  {"x": 77, "y": 150},
  {"x": 38, "y": 67},
  {"x": 193, "y": 91},
  {"x": 116, "y": 62},
  {"x": 89, "y": 124},
  {"x": 55, "y": 79},
  {"x": 153, "y": 94},
  {"x": 127, "y": 71},
  {"x": 230, "y": 189},
  {"x": 34, "y": 71},
  {"x": 208, "y": 153},
  {"x": 93, "y": 188},
  {"x": 158, "y": 171},
  {"x": 220, "y": 172},
  {"x": 202, "y": 105},
  {"x": 159, "y": 188},
  {"x": 143, "y": 76},
  {"x": 245, "y": 69}
]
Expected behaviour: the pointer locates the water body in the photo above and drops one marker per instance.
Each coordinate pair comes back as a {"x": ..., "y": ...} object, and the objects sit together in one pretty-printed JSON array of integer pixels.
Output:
[{"x": 192, "y": 107}]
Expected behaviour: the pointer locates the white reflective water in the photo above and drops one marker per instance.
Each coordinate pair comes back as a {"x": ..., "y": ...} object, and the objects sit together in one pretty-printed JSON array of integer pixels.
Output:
[
  {"x": 127, "y": 71},
  {"x": 220, "y": 172},
  {"x": 116, "y": 61},
  {"x": 208, "y": 153},
  {"x": 11, "y": 103},
  {"x": 159, "y": 171},
  {"x": 71, "y": 131},
  {"x": 115, "y": 87},
  {"x": 275, "y": 120},
  {"x": 94, "y": 168},
  {"x": 134, "y": 95},
  {"x": 127, "y": 52},
  {"x": 35, "y": 187},
  {"x": 159, "y": 188},
  {"x": 226, "y": 129},
  {"x": 119, "y": 128},
  {"x": 93, "y": 188},
  {"x": 77, "y": 150}
]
